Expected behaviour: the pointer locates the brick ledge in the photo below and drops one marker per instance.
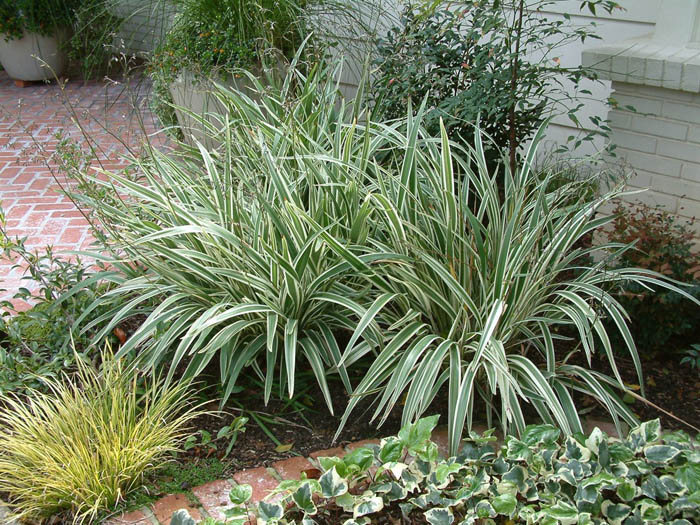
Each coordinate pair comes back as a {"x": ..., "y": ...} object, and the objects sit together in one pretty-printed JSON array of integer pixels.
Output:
[{"x": 649, "y": 63}]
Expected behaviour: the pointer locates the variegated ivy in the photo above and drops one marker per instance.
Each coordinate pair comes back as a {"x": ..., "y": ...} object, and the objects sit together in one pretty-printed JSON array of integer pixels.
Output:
[{"x": 535, "y": 479}]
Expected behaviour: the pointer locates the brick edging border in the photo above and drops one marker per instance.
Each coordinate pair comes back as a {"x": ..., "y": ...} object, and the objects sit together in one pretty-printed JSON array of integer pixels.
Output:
[{"x": 211, "y": 498}]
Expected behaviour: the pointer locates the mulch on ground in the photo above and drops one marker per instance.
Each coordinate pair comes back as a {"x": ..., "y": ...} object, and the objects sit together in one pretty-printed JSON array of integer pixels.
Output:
[{"x": 670, "y": 386}]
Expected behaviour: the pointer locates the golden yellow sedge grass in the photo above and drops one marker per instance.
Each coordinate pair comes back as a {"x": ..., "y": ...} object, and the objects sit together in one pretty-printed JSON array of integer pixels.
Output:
[{"x": 79, "y": 449}]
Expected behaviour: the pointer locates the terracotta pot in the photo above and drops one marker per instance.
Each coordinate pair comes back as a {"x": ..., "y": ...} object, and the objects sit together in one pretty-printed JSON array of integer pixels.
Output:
[{"x": 32, "y": 57}]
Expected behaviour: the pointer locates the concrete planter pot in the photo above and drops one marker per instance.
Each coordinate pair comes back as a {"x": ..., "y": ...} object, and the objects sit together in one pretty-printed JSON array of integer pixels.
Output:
[
  {"x": 196, "y": 104},
  {"x": 32, "y": 57}
]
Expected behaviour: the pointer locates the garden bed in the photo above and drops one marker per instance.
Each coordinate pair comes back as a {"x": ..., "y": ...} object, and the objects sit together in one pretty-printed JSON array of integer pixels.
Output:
[{"x": 669, "y": 386}]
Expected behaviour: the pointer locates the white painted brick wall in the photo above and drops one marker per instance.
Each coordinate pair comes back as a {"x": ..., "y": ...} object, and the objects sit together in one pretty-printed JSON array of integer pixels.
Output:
[
  {"x": 145, "y": 23},
  {"x": 660, "y": 144}
]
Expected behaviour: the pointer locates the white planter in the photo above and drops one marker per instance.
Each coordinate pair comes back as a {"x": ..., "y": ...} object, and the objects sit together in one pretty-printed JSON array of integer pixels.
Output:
[
  {"x": 196, "y": 104},
  {"x": 32, "y": 57}
]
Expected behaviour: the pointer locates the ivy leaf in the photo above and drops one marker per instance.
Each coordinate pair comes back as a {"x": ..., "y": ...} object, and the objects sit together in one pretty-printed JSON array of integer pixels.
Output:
[
  {"x": 689, "y": 476},
  {"x": 328, "y": 463},
  {"x": 574, "y": 450},
  {"x": 649, "y": 510},
  {"x": 439, "y": 516},
  {"x": 346, "y": 501},
  {"x": 562, "y": 512},
  {"x": 396, "y": 492},
  {"x": 391, "y": 450},
  {"x": 270, "y": 511},
  {"x": 615, "y": 512},
  {"x": 504, "y": 504},
  {"x": 517, "y": 476},
  {"x": 368, "y": 506},
  {"x": 332, "y": 485},
  {"x": 302, "y": 497},
  {"x": 595, "y": 439},
  {"x": 517, "y": 450},
  {"x": 361, "y": 458},
  {"x": 416, "y": 435},
  {"x": 540, "y": 434},
  {"x": 645, "y": 433},
  {"x": 484, "y": 509},
  {"x": 620, "y": 452},
  {"x": 671, "y": 485},
  {"x": 661, "y": 454},
  {"x": 626, "y": 490},
  {"x": 236, "y": 515},
  {"x": 240, "y": 494},
  {"x": 182, "y": 517},
  {"x": 396, "y": 469},
  {"x": 429, "y": 453}
]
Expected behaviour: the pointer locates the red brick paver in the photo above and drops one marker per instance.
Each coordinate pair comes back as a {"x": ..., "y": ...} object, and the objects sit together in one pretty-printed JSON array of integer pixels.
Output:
[
  {"x": 363, "y": 443},
  {"x": 336, "y": 451},
  {"x": 258, "y": 478},
  {"x": 292, "y": 468},
  {"x": 214, "y": 497},
  {"x": 164, "y": 508},
  {"x": 30, "y": 184},
  {"x": 136, "y": 517}
]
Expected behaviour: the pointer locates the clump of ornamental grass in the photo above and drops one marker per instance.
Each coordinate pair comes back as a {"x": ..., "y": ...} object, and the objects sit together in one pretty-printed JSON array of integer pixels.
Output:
[
  {"x": 79, "y": 449},
  {"x": 311, "y": 219}
]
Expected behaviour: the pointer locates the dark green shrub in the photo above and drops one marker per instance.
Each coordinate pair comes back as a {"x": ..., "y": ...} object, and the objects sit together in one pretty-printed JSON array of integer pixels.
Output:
[
  {"x": 537, "y": 479},
  {"x": 34, "y": 16},
  {"x": 474, "y": 59},
  {"x": 665, "y": 244},
  {"x": 40, "y": 343},
  {"x": 444, "y": 58},
  {"x": 221, "y": 35}
]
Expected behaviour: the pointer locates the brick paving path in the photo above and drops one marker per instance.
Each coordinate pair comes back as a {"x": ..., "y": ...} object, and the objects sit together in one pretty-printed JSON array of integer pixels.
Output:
[{"x": 30, "y": 187}]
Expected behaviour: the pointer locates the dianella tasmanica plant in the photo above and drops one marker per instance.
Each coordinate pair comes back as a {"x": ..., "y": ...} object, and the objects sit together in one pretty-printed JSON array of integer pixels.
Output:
[{"x": 308, "y": 218}]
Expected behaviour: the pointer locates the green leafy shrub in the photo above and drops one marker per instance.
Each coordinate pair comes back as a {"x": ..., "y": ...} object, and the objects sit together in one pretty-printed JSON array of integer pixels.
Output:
[
  {"x": 211, "y": 37},
  {"x": 44, "y": 17},
  {"x": 494, "y": 61},
  {"x": 40, "y": 343},
  {"x": 537, "y": 479},
  {"x": 666, "y": 245},
  {"x": 83, "y": 446}
]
